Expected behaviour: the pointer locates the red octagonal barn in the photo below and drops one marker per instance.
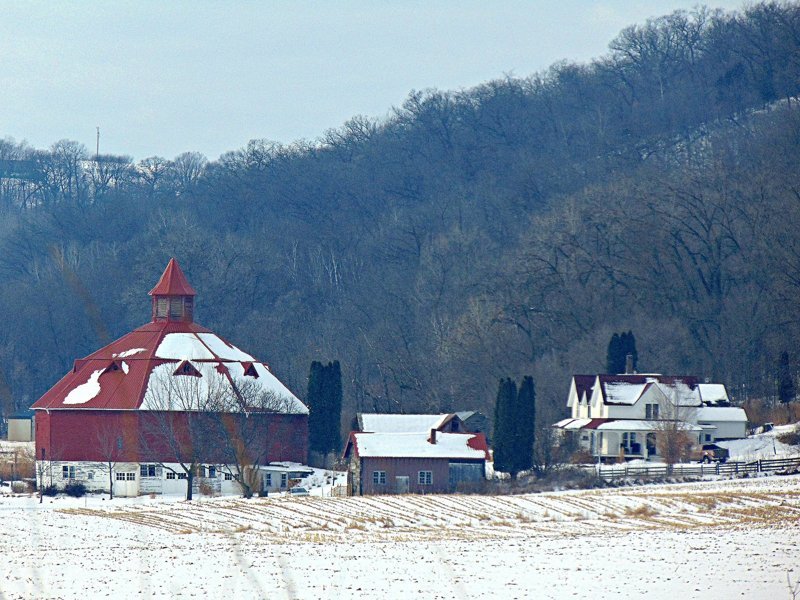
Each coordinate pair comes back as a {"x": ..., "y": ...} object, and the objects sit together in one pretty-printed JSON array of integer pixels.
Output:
[{"x": 168, "y": 407}]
